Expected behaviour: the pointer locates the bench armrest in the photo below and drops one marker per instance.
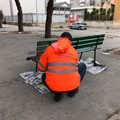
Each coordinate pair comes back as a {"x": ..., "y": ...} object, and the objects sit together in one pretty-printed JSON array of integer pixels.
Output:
[{"x": 33, "y": 58}]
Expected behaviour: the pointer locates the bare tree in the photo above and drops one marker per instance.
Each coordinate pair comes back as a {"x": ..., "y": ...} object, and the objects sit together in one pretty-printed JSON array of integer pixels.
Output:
[
  {"x": 1, "y": 17},
  {"x": 20, "y": 16},
  {"x": 49, "y": 19}
]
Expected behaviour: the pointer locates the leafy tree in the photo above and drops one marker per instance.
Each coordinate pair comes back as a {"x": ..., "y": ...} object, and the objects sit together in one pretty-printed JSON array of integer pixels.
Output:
[
  {"x": 92, "y": 16},
  {"x": 1, "y": 17},
  {"x": 94, "y": 11},
  {"x": 49, "y": 19},
  {"x": 85, "y": 14},
  {"x": 112, "y": 12},
  {"x": 20, "y": 16},
  {"x": 88, "y": 16},
  {"x": 97, "y": 14},
  {"x": 108, "y": 13},
  {"x": 102, "y": 12}
]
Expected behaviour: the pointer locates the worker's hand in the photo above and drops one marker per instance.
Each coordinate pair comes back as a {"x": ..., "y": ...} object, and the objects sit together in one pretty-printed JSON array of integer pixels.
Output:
[{"x": 78, "y": 62}]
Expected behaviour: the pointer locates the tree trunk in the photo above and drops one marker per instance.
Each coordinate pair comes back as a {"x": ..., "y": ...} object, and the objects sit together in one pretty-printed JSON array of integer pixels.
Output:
[
  {"x": 49, "y": 19},
  {"x": 20, "y": 16},
  {"x": 0, "y": 24}
]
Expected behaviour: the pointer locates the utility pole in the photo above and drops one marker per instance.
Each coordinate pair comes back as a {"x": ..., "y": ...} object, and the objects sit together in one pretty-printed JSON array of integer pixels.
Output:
[
  {"x": 36, "y": 12},
  {"x": 11, "y": 9},
  {"x": 46, "y": 6}
]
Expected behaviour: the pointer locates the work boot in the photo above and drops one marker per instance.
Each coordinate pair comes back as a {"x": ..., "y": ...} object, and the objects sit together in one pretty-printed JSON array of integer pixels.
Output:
[
  {"x": 58, "y": 97},
  {"x": 73, "y": 92}
]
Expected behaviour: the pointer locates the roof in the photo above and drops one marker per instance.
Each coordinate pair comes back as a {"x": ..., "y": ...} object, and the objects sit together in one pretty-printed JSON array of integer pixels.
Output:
[
  {"x": 62, "y": 5},
  {"x": 86, "y": 7}
]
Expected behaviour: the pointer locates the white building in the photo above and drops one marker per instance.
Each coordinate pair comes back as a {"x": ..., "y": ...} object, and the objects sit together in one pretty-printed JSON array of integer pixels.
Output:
[
  {"x": 61, "y": 8},
  {"x": 78, "y": 6},
  {"x": 28, "y": 6},
  {"x": 33, "y": 11},
  {"x": 80, "y": 10},
  {"x": 82, "y": 3}
]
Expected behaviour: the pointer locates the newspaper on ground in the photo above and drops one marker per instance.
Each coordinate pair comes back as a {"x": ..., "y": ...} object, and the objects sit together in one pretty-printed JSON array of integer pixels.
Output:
[
  {"x": 34, "y": 79},
  {"x": 26, "y": 75},
  {"x": 42, "y": 88},
  {"x": 94, "y": 69}
]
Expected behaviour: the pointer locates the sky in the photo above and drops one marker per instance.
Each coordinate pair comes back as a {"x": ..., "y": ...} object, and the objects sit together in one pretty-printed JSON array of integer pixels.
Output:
[{"x": 63, "y": 1}]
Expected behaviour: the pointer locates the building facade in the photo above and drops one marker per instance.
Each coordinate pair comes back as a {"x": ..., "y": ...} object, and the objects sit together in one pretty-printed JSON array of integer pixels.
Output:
[
  {"x": 34, "y": 11},
  {"x": 83, "y": 3},
  {"x": 61, "y": 8},
  {"x": 78, "y": 6},
  {"x": 117, "y": 11},
  {"x": 28, "y": 6}
]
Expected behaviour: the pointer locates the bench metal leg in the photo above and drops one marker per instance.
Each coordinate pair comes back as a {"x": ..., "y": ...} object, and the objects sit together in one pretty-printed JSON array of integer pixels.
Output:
[
  {"x": 36, "y": 68},
  {"x": 94, "y": 58},
  {"x": 80, "y": 56}
]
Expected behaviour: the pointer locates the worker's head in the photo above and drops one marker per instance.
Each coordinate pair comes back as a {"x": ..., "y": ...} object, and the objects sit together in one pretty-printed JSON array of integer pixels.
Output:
[{"x": 67, "y": 35}]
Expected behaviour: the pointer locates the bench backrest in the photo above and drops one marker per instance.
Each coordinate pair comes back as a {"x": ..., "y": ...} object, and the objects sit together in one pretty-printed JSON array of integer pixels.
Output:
[
  {"x": 42, "y": 45},
  {"x": 78, "y": 43},
  {"x": 88, "y": 41}
]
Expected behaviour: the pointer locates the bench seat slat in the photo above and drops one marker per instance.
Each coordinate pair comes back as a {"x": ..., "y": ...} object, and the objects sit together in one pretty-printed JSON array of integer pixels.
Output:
[
  {"x": 74, "y": 39},
  {"x": 41, "y": 48},
  {"x": 41, "y": 43},
  {"x": 88, "y": 37},
  {"x": 33, "y": 58},
  {"x": 86, "y": 45},
  {"x": 100, "y": 43},
  {"x": 86, "y": 42},
  {"x": 86, "y": 50}
]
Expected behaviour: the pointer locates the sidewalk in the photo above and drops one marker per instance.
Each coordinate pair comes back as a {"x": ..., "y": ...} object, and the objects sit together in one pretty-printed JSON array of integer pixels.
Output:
[{"x": 98, "y": 97}]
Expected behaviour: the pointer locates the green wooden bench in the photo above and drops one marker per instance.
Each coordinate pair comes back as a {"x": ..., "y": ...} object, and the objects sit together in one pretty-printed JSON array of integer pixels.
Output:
[
  {"x": 41, "y": 46},
  {"x": 81, "y": 44},
  {"x": 88, "y": 43}
]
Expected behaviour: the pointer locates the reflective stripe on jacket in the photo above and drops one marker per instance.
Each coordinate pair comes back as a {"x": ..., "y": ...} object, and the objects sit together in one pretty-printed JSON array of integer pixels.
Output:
[{"x": 60, "y": 63}]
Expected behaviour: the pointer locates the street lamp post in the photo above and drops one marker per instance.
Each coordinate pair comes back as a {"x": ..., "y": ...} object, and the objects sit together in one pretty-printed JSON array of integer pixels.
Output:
[
  {"x": 11, "y": 9},
  {"x": 45, "y": 6},
  {"x": 36, "y": 12}
]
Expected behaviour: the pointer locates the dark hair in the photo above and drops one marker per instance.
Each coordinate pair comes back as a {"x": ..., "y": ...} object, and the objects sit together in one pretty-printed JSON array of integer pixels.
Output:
[{"x": 67, "y": 35}]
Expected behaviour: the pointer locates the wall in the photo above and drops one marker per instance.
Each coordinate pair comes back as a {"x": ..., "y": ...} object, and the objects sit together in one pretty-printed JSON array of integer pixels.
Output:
[
  {"x": 32, "y": 18},
  {"x": 28, "y": 6},
  {"x": 117, "y": 11},
  {"x": 106, "y": 24},
  {"x": 87, "y": 2}
]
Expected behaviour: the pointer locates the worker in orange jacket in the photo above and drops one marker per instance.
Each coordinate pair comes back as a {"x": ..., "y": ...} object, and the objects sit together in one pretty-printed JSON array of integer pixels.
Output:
[{"x": 59, "y": 62}]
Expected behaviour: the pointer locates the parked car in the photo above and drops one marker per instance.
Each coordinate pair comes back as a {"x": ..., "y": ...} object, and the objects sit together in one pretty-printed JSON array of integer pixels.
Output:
[{"x": 79, "y": 26}]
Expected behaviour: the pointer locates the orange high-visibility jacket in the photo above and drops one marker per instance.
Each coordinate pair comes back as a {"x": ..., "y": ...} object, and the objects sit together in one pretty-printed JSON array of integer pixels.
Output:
[{"x": 60, "y": 63}]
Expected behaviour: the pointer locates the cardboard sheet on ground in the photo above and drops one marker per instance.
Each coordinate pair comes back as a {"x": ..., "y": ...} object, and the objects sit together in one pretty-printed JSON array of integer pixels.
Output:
[
  {"x": 94, "y": 69},
  {"x": 34, "y": 79}
]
